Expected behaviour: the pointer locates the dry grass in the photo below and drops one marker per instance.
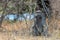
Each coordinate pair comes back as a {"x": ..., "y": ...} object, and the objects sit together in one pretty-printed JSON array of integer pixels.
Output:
[
  {"x": 17, "y": 25},
  {"x": 23, "y": 32},
  {"x": 12, "y": 36}
]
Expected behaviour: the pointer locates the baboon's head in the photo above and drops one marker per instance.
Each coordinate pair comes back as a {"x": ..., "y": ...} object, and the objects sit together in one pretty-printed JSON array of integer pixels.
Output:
[{"x": 38, "y": 18}]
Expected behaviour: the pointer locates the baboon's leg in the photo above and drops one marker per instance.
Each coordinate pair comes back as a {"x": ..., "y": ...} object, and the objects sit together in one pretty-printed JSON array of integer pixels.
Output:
[
  {"x": 41, "y": 30},
  {"x": 35, "y": 31},
  {"x": 45, "y": 32}
]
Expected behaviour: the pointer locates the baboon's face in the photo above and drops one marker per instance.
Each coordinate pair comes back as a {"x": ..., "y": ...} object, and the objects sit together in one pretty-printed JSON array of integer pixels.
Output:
[{"x": 38, "y": 18}]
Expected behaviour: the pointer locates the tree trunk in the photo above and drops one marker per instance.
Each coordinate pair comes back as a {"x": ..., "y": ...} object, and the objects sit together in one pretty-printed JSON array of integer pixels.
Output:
[
  {"x": 4, "y": 10},
  {"x": 1, "y": 19}
]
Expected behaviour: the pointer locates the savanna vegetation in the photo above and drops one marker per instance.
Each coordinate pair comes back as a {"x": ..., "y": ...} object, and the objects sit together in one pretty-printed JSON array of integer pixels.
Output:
[{"x": 29, "y": 20}]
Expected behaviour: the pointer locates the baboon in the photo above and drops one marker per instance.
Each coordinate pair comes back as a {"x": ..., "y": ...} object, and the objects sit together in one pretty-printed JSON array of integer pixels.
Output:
[{"x": 40, "y": 27}]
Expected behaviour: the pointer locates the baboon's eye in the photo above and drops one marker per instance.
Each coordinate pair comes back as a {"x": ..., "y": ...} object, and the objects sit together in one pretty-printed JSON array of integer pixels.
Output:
[{"x": 39, "y": 17}]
